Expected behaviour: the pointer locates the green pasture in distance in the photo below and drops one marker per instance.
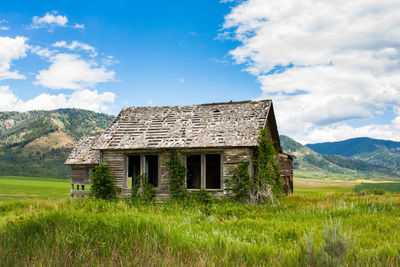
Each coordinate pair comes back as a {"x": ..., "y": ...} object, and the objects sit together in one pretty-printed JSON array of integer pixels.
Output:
[
  {"x": 18, "y": 188},
  {"x": 313, "y": 186},
  {"x": 388, "y": 187}
]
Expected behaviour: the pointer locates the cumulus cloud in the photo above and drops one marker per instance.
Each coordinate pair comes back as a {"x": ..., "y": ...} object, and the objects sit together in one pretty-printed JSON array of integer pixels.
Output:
[
  {"x": 76, "y": 45},
  {"x": 11, "y": 49},
  {"x": 51, "y": 20},
  {"x": 85, "y": 99},
  {"x": 322, "y": 62},
  {"x": 69, "y": 71}
]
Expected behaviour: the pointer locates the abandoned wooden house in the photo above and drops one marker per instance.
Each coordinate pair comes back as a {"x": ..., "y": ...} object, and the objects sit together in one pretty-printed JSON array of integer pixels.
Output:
[{"x": 212, "y": 140}]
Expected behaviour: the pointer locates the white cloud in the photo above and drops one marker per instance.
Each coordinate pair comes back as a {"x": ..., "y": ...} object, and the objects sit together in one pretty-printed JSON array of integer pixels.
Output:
[
  {"x": 109, "y": 60},
  {"x": 337, "y": 61},
  {"x": 2, "y": 26},
  {"x": 11, "y": 49},
  {"x": 76, "y": 45},
  {"x": 79, "y": 26},
  {"x": 43, "y": 51},
  {"x": 181, "y": 80},
  {"x": 84, "y": 99},
  {"x": 69, "y": 71},
  {"x": 387, "y": 132},
  {"x": 49, "y": 20}
]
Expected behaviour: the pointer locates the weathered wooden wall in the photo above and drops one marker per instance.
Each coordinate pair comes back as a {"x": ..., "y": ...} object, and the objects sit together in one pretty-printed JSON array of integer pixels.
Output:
[
  {"x": 117, "y": 162},
  {"x": 230, "y": 159},
  {"x": 285, "y": 165},
  {"x": 79, "y": 179},
  {"x": 163, "y": 182},
  {"x": 78, "y": 175}
]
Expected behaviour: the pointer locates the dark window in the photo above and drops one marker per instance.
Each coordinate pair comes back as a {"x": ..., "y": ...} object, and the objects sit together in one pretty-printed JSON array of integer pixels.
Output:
[
  {"x": 133, "y": 170},
  {"x": 213, "y": 171},
  {"x": 193, "y": 166},
  {"x": 151, "y": 169}
]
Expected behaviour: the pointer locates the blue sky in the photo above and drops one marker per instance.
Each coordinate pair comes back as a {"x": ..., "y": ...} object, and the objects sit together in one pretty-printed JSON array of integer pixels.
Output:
[
  {"x": 164, "y": 52},
  {"x": 332, "y": 69}
]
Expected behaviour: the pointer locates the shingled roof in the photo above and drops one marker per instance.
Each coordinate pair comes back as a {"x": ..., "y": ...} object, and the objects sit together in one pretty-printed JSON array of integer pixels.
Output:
[
  {"x": 83, "y": 154},
  {"x": 234, "y": 124}
]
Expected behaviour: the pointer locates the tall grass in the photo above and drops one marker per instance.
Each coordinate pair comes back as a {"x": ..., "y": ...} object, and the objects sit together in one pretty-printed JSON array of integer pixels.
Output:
[{"x": 92, "y": 233}]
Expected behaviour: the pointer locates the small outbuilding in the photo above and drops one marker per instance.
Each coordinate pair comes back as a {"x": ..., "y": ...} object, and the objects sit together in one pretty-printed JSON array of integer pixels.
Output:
[
  {"x": 83, "y": 159},
  {"x": 212, "y": 140}
]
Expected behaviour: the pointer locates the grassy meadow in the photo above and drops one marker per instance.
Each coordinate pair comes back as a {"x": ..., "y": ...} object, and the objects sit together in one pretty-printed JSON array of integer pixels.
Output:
[
  {"x": 64, "y": 232},
  {"x": 18, "y": 187}
]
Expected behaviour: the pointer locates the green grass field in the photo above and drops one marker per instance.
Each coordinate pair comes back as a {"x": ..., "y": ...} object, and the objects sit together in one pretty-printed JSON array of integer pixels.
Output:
[
  {"x": 17, "y": 188},
  {"x": 66, "y": 232},
  {"x": 388, "y": 187}
]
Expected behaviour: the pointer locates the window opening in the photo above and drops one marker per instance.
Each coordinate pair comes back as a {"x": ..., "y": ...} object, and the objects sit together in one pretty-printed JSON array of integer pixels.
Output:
[
  {"x": 193, "y": 166},
  {"x": 151, "y": 169},
  {"x": 213, "y": 171},
  {"x": 133, "y": 170}
]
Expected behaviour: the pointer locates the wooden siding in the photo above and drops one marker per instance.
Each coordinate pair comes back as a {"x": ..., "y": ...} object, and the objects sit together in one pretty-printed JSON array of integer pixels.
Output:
[
  {"x": 285, "y": 165},
  {"x": 116, "y": 161},
  {"x": 230, "y": 159},
  {"x": 163, "y": 181},
  {"x": 78, "y": 175}
]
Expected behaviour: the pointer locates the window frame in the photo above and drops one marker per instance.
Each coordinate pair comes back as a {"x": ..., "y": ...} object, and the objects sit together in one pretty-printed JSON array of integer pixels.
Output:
[
  {"x": 142, "y": 166},
  {"x": 203, "y": 170}
]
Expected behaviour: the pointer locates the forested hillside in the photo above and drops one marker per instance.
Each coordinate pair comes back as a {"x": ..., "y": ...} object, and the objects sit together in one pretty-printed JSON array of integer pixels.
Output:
[
  {"x": 383, "y": 153},
  {"x": 36, "y": 143},
  {"x": 328, "y": 165}
]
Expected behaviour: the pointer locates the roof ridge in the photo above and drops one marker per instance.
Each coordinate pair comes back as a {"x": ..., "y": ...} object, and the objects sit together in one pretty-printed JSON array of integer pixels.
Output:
[{"x": 204, "y": 104}]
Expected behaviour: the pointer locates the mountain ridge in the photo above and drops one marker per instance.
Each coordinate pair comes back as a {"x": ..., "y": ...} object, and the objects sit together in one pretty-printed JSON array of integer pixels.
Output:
[
  {"x": 36, "y": 143},
  {"x": 330, "y": 165},
  {"x": 385, "y": 153},
  {"x": 353, "y": 146}
]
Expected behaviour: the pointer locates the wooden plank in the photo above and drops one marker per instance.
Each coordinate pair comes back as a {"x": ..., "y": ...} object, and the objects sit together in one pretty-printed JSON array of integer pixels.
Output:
[
  {"x": 80, "y": 192},
  {"x": 237, "y": 155},
  {"x": 116, "y": 161}
]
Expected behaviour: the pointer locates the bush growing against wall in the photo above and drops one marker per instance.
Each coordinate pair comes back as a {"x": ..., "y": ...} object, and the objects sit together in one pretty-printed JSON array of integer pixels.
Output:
[
  {"x": 103, "y": 186},
  {"x": 239, "y": 183},
  {"x": 176, "y": 176},
  {"x": 267, "y": 181},
  {"x": 265, "y": 185},
  {"x": 143, "y": 190}
]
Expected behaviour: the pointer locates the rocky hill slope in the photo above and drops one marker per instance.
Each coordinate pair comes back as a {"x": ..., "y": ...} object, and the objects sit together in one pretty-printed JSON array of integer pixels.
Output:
[{"x": 36, "y": 143}]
